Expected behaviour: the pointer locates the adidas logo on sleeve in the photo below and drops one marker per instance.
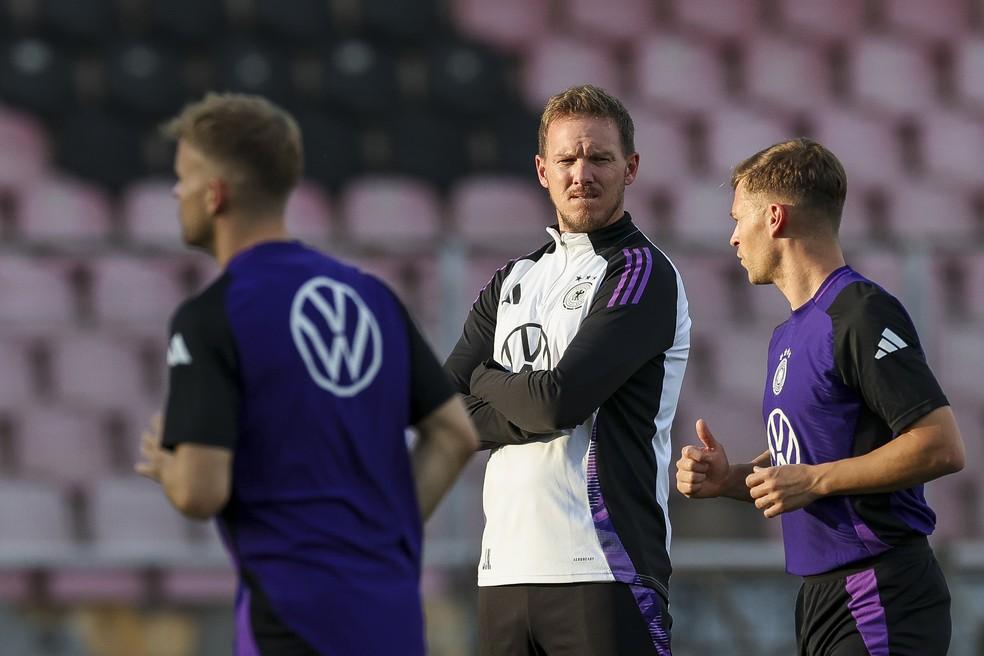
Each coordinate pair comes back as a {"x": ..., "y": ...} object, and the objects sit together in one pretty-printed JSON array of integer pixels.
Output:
[
  {"x": 890, "y": 343},
  {"x": 177, "y": 351}
]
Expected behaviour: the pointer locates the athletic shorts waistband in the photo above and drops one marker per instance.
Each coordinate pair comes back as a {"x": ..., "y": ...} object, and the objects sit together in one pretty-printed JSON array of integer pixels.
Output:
[{"x": 911, "y": 548}]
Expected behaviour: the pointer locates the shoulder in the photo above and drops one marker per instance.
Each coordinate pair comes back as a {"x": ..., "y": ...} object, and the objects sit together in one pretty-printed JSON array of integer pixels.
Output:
[
  {"x": 861, "y": 303},
  {"x": 204, "y": 308}
]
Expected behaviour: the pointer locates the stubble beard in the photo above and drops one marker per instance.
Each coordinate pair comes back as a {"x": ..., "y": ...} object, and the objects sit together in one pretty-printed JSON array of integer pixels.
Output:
[{"x": 585, "y": 222}]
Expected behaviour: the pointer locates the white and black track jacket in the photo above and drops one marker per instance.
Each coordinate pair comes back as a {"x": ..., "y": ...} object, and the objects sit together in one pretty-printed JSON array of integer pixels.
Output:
[{"x": 571, "y": 361}]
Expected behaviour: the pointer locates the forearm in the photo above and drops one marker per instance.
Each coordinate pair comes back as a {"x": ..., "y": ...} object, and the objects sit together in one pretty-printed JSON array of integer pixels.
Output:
[
  {"x": 735, "y": 487},
  {"x": 436, "y": 465},
  {"x": 494, "y": 429}
]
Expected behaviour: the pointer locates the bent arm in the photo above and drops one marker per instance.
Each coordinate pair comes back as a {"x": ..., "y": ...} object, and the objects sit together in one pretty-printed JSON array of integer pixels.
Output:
[
  {"x": 931, "y": 447},
  {"x": 447, "y": 441},
  {"x": 735, "y": 487},
  {"x": 197, "y": 479}
]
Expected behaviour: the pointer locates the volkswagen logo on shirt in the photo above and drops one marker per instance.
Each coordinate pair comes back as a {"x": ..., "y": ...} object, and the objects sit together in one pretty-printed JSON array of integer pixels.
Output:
[
  {"x": 526, "y": 348},
  {"x": 337, "y": 336},
  {"x": 783, "y": 445}
]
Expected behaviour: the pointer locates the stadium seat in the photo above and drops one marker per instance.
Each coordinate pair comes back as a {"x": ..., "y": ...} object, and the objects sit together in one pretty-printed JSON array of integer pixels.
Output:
[
  {"x": 23, "y": 150},
  {"x": 509, "y": 25},
  {"x": 664, "y": 151},
  {"x": 35, "y": 76},
  {"x": 740, "y": 361},
  {"x": 144, "y": 79},
  {"x": 199, "y": 585},
  {"x": 80, "y": 21},
  {"x": 131, "y": 517},
  {"x": 35, "y": 520},
  {"x": 968, "y": 71},
  {"x": 60, "y": 446},
  {"x": 557, "y": 62},
  {"x": 953, "y": 148},
  {"x": 425, "y": 146},
  {"x": 359, "y": 78},
  {"x": 119, "y": 585},
  {"x": 297, "y": 22},
  {"x": 676, "y": 72},
  {"x": 465, "y": 79},
  {"x": 621, "y": 21},
  {"x": 150, "y": 213},
  {"x": 245, "y": 66},
  {"x": 512, "y": 141},
  {"x": 128, "y": 290},
  {"x": 391, "y": 212},
  {"x": 400, "y": 20},
  {"x": 939, "y": 20},
  {"x": 101, "y": 147},
  {"x": 786, "y": 73},
  {"x": 481, "y": 269},
  {"x": 855, "y": 226},
  {"x": 64, "y": 211},
  {"x": 332, "y": 153},
  {"x": 414, "y": 280},
  {"x": 719, "y": 18},
  {"x": 702, "y": 212},
  {"x": 35, "y": 292},
  {"x": 867, "y": 147},
  {"x": 99, "y": 372},
  {"x": 885, "y": 267},
  {"x": 504, "y": 212},
  {"x": 891, "y": 76},
  {"x": 826, "y": 19},
  {"x": 706, "y": 281},
  {"x": 736, "y": 133},
  {"x": 17, "y": 385},
  {"x": 309, "y": 214},
  {"x": 921, "y": 212},
  {"x": 186, "y": 21}
]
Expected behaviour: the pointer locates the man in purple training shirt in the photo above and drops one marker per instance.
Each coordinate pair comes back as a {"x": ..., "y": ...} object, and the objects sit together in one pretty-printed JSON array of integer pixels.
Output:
[{"x": 856, "y": 423}]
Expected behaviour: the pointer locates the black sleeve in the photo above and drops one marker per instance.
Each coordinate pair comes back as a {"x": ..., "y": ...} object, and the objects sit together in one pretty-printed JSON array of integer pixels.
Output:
[
  {"x": 204, "y": 392},
  {"x": 474, "y": 346},
  {"x": 628, "y": 325},
  {"x": 429, "y": 385},
  {"x": 878, "y": 353}
]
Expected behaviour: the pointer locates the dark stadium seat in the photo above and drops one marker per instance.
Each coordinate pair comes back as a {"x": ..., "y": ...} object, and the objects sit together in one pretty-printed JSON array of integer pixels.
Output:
[
  {"x": 358, "y": 77},
  {"x": 145, "y": 79},
  {"x": 245, "y": 66},
  {"x": 24, "y": 150},
  {"x": 878, "y": 64},
  {"x": 188, "y": 20},
  {"x": 507, "y": 25},
  {"x": 427, "y": 146},
  {"x": 34, "y": 292},
  {"x": 410, "y": 20},
  {"x": 501, "y": 212},
  {"x": 85, "y": 21},
  {"x": 557, "y": 61},
  {"x": 35, "y": 76},
  {"x": 464, "y": 78},
  {"x": 332, "y": 147},
  {"x": 150, "y": 213},
  {"x": 512, "y": 135},
  {"x": 62, "y": 446},
  {"x": 298, "y": 21},
  {"x": 786, "y": 73},
  {"x": 391, "y": 212},
  {"x": 100, "y": 147},
  {"x": 63, "y": 210},
  {"x": 130, "y": 291}
]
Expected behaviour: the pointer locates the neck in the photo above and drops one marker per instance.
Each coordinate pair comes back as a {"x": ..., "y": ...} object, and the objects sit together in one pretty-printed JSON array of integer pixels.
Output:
[
  {"x": 805, "y": 266},
  {"x": 234, "y": 235}
]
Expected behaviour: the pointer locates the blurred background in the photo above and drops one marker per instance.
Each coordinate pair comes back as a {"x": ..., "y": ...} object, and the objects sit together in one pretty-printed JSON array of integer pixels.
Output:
[{"x": 419, "y": 119}]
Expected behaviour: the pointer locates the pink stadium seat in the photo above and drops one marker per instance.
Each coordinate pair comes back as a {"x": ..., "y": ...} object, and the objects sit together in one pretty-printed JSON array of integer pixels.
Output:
[
  {"x": 926, "y": 212},
  {"x": 414, "y": 280},
  {"x": 673, "y": 71},
  {"x": 309, "y": 214},
  {"x": 150, "y": 213},
  {"x": 785, "y": 73},
  {"x": 891, "y": 76},
  {"x": 62, "y": 446},
  {"x": 97, "y": 371},
  {"x": 937, "y": 20},
  {"x": 741, "y": 359},
  {"x": 953, "y": 148},
  {"x": 97, "y": 584},
  {"x": 702, "y": 212},
  {"x": 962, "y": 360},
  {"x": 716, "y": 17},
  {"x": 736, "y": 133},
  {"x": 736, "y": 422},
  {"x": 480, "y": 272},
  {"x": 34, "y": 519},
  {"x": 620, "y": 21},
  {"x": 828, "y": 19},
  {"x": 498, "y": 210},
  {"x": 199, "y": 584},
  {"x": 129, "y": 290},
  {"x": 968, "y": 70},
  {"x": 557, "y": 62},
  {"x": 854, "y": 218},
  {"x": 17, "y": 381},
  {"x": 23, "y": 150},
  {"x": 663, "y": 149},
  {"x": 509, "y": 25},
  {"x": 34, "y": 291},
  {"x": 391, "y": 212},
  {"x": 130, "y": 516},
  {"x": 867, "y": 147},
  {"x": 65, "y": 210},
  {"x": 706, "y": 280},
  {"x": 882, "y": 267}
]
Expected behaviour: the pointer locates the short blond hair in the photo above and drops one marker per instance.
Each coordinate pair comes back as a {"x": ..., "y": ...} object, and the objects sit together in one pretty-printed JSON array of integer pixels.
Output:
[
  {"x": 591, "y": 101},
  {"x": 251, "y": 136},
  {"x": 799, "y": 171}
]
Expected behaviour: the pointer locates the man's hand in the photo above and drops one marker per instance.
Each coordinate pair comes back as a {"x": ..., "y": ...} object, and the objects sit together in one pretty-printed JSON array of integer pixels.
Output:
[
  {"x": 703, "y": 472},
  {"x": 153, "y": 457},
  {"x": 782, "y": 489}
]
